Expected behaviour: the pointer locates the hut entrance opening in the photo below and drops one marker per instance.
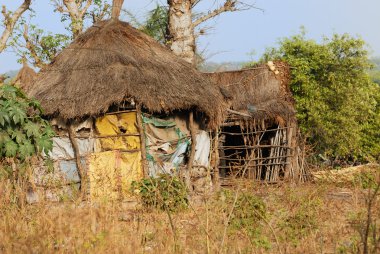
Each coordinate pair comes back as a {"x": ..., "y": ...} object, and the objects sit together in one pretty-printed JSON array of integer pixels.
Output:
[{"x": 259, "y": 152}]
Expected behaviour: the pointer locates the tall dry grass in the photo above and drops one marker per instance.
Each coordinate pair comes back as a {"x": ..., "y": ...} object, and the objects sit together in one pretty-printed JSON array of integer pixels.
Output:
[{"x": 307, "y": 218}]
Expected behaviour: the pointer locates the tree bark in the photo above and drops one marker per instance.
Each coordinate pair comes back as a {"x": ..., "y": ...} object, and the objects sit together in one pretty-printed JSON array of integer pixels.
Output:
[
  {"x": 32, "y": 49},
  {"x": 116, "y": 8},
  {"x": 181, "y": 37},
  {"x": 76, "y": 12},
  {"x": 81, "y": 170},
  {"x": 181, "y": 27},
  {"x": 10, "y": 22},
  {"x": 140, "y": 125}
]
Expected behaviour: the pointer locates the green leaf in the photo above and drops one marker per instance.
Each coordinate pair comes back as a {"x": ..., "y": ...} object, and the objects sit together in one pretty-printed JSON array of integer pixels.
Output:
[
  {"x": 22, "y": 130},
  {"x": 4, "y": 137},
  {"x": 26, "y": 149},
  {"x": 10, "y": 148},
  {"x": 8, "y": 91},
  {"x": 48, "y": 131},
  {"x": 4, "y": 116},
  {"x": 32, "y": 129},
  {"x": 17, "y": 113},
  {"x": 45, "y": 144},
  {"x": 35, "y": 105},
  {"x": 19, "y": 136}
]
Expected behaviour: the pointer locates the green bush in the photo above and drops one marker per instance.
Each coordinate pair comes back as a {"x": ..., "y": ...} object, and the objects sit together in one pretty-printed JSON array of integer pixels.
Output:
[
  {"x": 302, "y": 220},
  {"x": 249, "y": 211},
  {"x": 338, "y": 105},
  {"x": 164, "y": 192},
  {"x": 23, "y": 132},
  {"x": 367, "y": 179}
]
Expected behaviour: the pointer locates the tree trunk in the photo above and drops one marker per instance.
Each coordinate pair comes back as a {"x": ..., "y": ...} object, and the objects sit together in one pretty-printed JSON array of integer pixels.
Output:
[
  {"x": 181, "y": 37},
  {"x": 9, "y": 22},
  {"x": 116, "y": 8},
  {"x": 76, "y": 17}
]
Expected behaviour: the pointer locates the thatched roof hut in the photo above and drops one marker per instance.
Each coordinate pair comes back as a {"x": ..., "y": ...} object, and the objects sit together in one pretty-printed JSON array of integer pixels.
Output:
[
  {"x": 260, "y": 135},
  {"x": 259, "y": 91},
  {"x": 25, "y": 77},
  {"x": 112, "y": 62}
]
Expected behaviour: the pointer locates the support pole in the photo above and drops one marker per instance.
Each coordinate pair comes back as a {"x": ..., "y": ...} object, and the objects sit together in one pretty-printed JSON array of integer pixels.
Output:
[
  {"x": 216, "y": 177},
  {"x": 82, "y": 173},
  {"x": 192, "y": 152},
  {"x": 140, "y": 127}
]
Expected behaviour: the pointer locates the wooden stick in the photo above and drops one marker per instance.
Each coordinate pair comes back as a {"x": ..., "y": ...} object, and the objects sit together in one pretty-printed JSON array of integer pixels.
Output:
[
  {"x": 257, "y": 146},
  {"x": 121, "y": 111},
  {"x": 216, "y": 166},
  {"x": 140, "y": 127},
  {"x": 238, "y": 113},
  {"x": 268, "y": 169},
  {"x": 192, "y": 151},
  {"x": 256, "y": 132},
  {"x": 256, "y": 159},
  {"x": 119, "y": 135},
  {"x": 230, "y": 124},
  {"x": 263, "y": 164},
  {"x": 82, "y": 174}
]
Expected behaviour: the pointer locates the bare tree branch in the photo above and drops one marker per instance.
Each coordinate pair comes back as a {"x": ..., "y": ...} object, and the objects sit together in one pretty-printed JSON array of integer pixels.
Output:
[
  {"x": 228, "y": 6},
  {"x": 10, "y": 21},
  {"x": 101, "y": 14},
  {"x": 32, "y": 49},
  {"x": 85, "y": 8},
  {"x": 76, "y": 11}
]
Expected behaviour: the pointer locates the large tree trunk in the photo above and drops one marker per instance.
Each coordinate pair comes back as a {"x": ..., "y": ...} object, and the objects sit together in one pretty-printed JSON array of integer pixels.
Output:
[{"x": 181, "y": 37}]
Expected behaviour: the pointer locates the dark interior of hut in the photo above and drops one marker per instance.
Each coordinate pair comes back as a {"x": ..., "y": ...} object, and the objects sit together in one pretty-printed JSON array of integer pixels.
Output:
[{"x": 253, "y": 153}]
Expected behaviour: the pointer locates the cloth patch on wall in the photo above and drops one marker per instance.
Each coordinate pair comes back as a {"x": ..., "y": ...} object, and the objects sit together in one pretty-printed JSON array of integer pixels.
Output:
[
  {"x": 111, "y": 174},
  {"x": 117, "y": 124}
]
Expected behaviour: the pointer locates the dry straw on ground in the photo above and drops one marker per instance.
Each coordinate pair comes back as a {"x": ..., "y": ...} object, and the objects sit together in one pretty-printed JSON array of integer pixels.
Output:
[{"x": 308, "y": 218}]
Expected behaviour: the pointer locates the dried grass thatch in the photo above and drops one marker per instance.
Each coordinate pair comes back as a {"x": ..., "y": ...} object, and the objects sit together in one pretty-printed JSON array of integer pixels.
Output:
[
  {"x": 25, "y": 77},
  {"x": 260, "y": 92},
  {"x": 111, "y": 62}
]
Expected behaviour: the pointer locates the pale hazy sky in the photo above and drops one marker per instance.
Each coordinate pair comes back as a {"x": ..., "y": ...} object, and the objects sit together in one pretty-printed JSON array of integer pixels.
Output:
[{"x": 234, "y": 35}]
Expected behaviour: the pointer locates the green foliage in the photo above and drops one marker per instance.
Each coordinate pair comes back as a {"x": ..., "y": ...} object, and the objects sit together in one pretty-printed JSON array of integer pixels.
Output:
[
  {"x": 154, "y": 25},
  {"x": 375, "y": 76},
  {"x": 23, "y": 132},
  {"x": 248, "y": 213},
  {"x": 164, "y": 192},
  {"x": 98, "y": 10},
  {"x": 301, "y": 220},
  {"x": 375, "y": 72},
  {"x": 41, "y": 45},
  {"x": 359, "y": 222},
  {"x": 338, "y": 106},
  {"x": 367, "y": 179}
]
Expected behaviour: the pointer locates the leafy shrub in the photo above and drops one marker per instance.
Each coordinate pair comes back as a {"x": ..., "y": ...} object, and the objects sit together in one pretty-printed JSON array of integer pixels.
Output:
[
  {"x": 338, "y": 105},
  {"x": 302, "y": 220},
  {"x": 164, "y": 192},
  {"x": 248, "y": 213},
  {"x": 366, "y": 180},
  {"x": 23, "y": 132}
]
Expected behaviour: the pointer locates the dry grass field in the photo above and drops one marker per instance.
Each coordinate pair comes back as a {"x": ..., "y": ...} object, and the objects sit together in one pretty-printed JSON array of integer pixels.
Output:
[{"x": 315, "y": 217}]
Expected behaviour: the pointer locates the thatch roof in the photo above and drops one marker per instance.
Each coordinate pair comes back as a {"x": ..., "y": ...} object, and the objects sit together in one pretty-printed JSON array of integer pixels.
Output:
[
  {"x": 25, "y": 77},
  {"x": 259, "y": 91},
  {"x": 111, "y": 62}
]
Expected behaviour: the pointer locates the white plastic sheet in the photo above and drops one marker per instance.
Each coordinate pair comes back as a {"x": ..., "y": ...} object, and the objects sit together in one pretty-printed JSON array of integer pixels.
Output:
[
  {"x": 62, "y": 148},
  {"x": 202, "y": 149}
]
